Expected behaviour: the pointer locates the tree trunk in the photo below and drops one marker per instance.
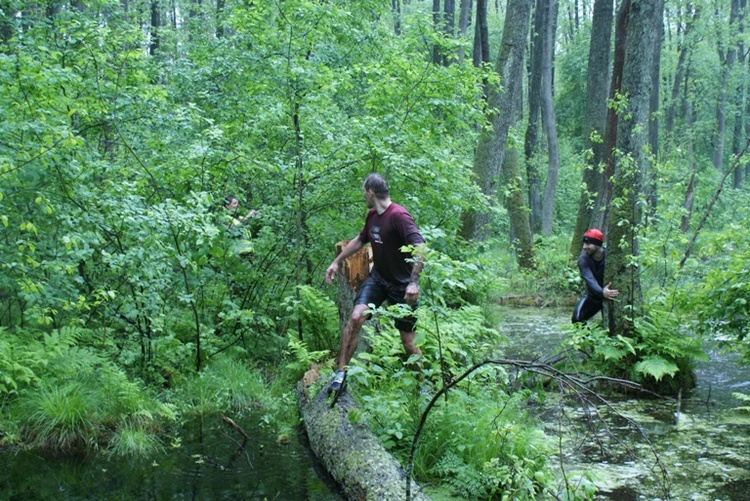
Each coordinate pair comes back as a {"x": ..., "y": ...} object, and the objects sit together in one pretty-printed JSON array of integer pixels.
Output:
[
  {"x": 396, "y": 10},
  {"x": 727, "y": 57},
  {"x": 531, "y": 142},
  {"x": 6, "y": 25},
  {"x": 738, "y": 138},
  {"x": 548, "y": 117},
  {"x": 653, "y": 122},
  {"x": 626, "y": 213},
  {"x": 481, "y": 52},
  {"x": 436, "y": 58},
  {"x": 690, "y": 191},
  {"x": 464, "y": 18},
  {"x": 153, "y": 45},
  {"x": 685, "y": 51},
  {"x": 521, "y": 238},
  {"x": 610, "y": 134},
  {"x": 490, "y": 152},
  {"x": 350, "y": 452},
  {"x": 595, "y": 117}
]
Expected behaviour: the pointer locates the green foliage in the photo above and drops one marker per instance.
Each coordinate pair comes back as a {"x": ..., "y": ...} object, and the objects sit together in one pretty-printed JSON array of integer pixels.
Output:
[
  {"x": 660, "y": 355},
  {"x": 61, "y": 416},
  {"x": 480, "y": 441},
  {"x": 130, "y": 441},
  {"x": 719, "y": 298},
  {"x": 226, "y": 384},
  {"x": 743, "y": 398},
  {"x": 302, "y": 358},
  {"x": 78, "y": 398},
  {"x": 493, "y": 451},
  {"x": 316, "y": 316},
  {"x": 17, "y": 364}
]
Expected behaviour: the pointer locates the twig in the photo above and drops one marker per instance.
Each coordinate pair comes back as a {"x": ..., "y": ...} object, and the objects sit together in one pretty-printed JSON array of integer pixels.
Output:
[
  {"x": 234, "y": 425},
  {"x": 712, "y": 202},
  {"x": 577, "y": 385}
]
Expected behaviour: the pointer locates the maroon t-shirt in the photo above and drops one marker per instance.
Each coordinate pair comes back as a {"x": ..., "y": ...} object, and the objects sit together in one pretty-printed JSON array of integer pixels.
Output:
[{"x": 387, "y": 233}]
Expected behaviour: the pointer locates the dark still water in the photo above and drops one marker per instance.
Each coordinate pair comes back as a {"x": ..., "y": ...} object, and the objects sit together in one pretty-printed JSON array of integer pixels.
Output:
[{"x": 204, "y": 460}]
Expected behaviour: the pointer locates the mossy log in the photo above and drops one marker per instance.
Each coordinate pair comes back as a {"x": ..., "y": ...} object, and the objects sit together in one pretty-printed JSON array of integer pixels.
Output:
[{"x": 350, "y": 452}]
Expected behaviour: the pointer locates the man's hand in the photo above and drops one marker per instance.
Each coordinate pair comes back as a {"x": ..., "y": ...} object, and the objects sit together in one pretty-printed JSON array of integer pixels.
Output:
[
  {"x": 412, "y": 293},
  {"x": 609, "y": 293},
  {"x": 331, "y": 272}
]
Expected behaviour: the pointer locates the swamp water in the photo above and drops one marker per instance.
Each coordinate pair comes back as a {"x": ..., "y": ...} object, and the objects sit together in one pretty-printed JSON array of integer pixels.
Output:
[
  {"x": 207, "y": 463},
  {"x": 702, "y": 444},
  {"x": 704, "y": 448}
]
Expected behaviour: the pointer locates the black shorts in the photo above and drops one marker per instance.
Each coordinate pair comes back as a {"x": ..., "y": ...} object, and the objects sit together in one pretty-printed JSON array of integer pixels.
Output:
[{"x": 371, "y": 291}]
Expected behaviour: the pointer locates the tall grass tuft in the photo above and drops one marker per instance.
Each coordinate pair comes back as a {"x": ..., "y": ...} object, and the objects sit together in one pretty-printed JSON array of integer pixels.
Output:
[
  {"x": 132, "y": 441},
  {"x": 61, "y": 417},
  {"x": 225, "y": 384}
]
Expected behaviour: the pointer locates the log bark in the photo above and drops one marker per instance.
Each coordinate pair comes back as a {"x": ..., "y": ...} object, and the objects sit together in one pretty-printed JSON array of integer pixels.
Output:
[
  {"x": 352, "y": 273},
  {"x": 350, "y": 452}
]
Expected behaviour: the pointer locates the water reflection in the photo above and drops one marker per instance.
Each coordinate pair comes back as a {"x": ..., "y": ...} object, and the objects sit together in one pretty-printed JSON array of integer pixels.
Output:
[{"x": 210, "y": 463}]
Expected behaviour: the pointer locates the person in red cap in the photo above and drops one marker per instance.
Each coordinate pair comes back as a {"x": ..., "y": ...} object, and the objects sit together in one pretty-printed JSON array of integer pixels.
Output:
[{"x": 591, "y": 265}]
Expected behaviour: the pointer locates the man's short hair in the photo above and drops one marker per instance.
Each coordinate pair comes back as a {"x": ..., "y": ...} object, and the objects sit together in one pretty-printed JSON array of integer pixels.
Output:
[
  {"x": 377, "y": 184},
  {"x": 228, "y": 199}
]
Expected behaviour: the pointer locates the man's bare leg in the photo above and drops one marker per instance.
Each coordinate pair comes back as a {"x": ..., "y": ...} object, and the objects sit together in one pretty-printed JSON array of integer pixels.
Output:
[{"x": 350, "y": 334}]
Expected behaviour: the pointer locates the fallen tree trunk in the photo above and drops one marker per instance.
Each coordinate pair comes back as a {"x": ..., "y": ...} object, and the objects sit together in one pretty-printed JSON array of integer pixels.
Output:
[{"x": 349, "y": 451}]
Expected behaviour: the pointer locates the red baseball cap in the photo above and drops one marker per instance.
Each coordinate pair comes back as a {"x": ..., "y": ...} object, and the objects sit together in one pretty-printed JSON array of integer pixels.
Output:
[{"x": 594, "y": 236}]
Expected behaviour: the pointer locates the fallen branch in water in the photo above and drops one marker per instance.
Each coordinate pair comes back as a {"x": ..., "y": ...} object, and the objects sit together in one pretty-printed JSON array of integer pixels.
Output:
[{"x": 576, "y": 384}]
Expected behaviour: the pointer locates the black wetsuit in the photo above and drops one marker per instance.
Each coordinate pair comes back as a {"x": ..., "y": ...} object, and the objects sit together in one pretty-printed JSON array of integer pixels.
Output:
[{"x": 592, "y": 273}]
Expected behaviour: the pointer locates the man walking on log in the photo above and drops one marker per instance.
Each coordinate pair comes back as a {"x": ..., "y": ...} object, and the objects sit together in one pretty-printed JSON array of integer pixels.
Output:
[
  {"x": 388, "y": 228},
  {"x": 591, "y": 265}
]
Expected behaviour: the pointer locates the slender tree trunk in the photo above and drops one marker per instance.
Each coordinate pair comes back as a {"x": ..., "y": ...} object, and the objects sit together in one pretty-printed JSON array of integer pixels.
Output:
[
  {"x": 610, "y": 134},
  {"x": 738, "y": 138},
  {"x": 396, "y": 10},
  {"x": 653, "y": 122},
  {"x": 490, "y": 152},
  {"x": 531, "y": 143},
  {"x": 6, "y": 25},
  {"x": 688, "y": 204},
  {"x": 481, "y": 52},
  {"x": 436, "y": 15},
  {"x": 626, "y": 214},
  {"x": 595, "y": 118},
  {"x": 548, "y": 119},
  {"x": 521, "y": 238},
  {"x": 727, "y": 57},
  {"x": 690, "y": 191},
  {"x": 747, "y": 125},
  {"x": 153, "y": 45},
  {"x": 685, "y": 50},
  {"x": 464, "y": 18},
  {"x": 219, "y": 18}
]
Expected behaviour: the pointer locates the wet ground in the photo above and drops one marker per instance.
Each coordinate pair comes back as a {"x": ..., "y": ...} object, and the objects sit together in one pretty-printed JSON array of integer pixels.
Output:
[{"x": 697, "y": 448}]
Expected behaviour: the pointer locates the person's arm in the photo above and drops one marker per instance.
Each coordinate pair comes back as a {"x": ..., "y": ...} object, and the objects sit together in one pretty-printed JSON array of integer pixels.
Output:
[
  {"x": 587, "y": 274},
  {"x": 351, "y": 248},
  {"x": 412, "y": 289},
  {"x": 610, "y": 294},
  {"x": 249, "y": 215}
]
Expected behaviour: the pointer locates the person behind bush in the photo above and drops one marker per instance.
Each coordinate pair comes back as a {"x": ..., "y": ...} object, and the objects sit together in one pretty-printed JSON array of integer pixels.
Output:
[
  {"x": 235, "y": 225},
  {"x": 591, "y": 266}
]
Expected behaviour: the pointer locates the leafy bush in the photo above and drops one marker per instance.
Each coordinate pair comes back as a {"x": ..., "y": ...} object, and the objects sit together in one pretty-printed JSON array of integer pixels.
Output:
[
  {"x": 79, "y": 398},
  {"x": 660, "y": 355},
  {"x": 316, "y": 316}
]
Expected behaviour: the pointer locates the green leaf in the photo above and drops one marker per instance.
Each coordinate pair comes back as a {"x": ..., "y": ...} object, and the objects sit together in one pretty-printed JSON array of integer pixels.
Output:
[{"x": 657, "y": 367}]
